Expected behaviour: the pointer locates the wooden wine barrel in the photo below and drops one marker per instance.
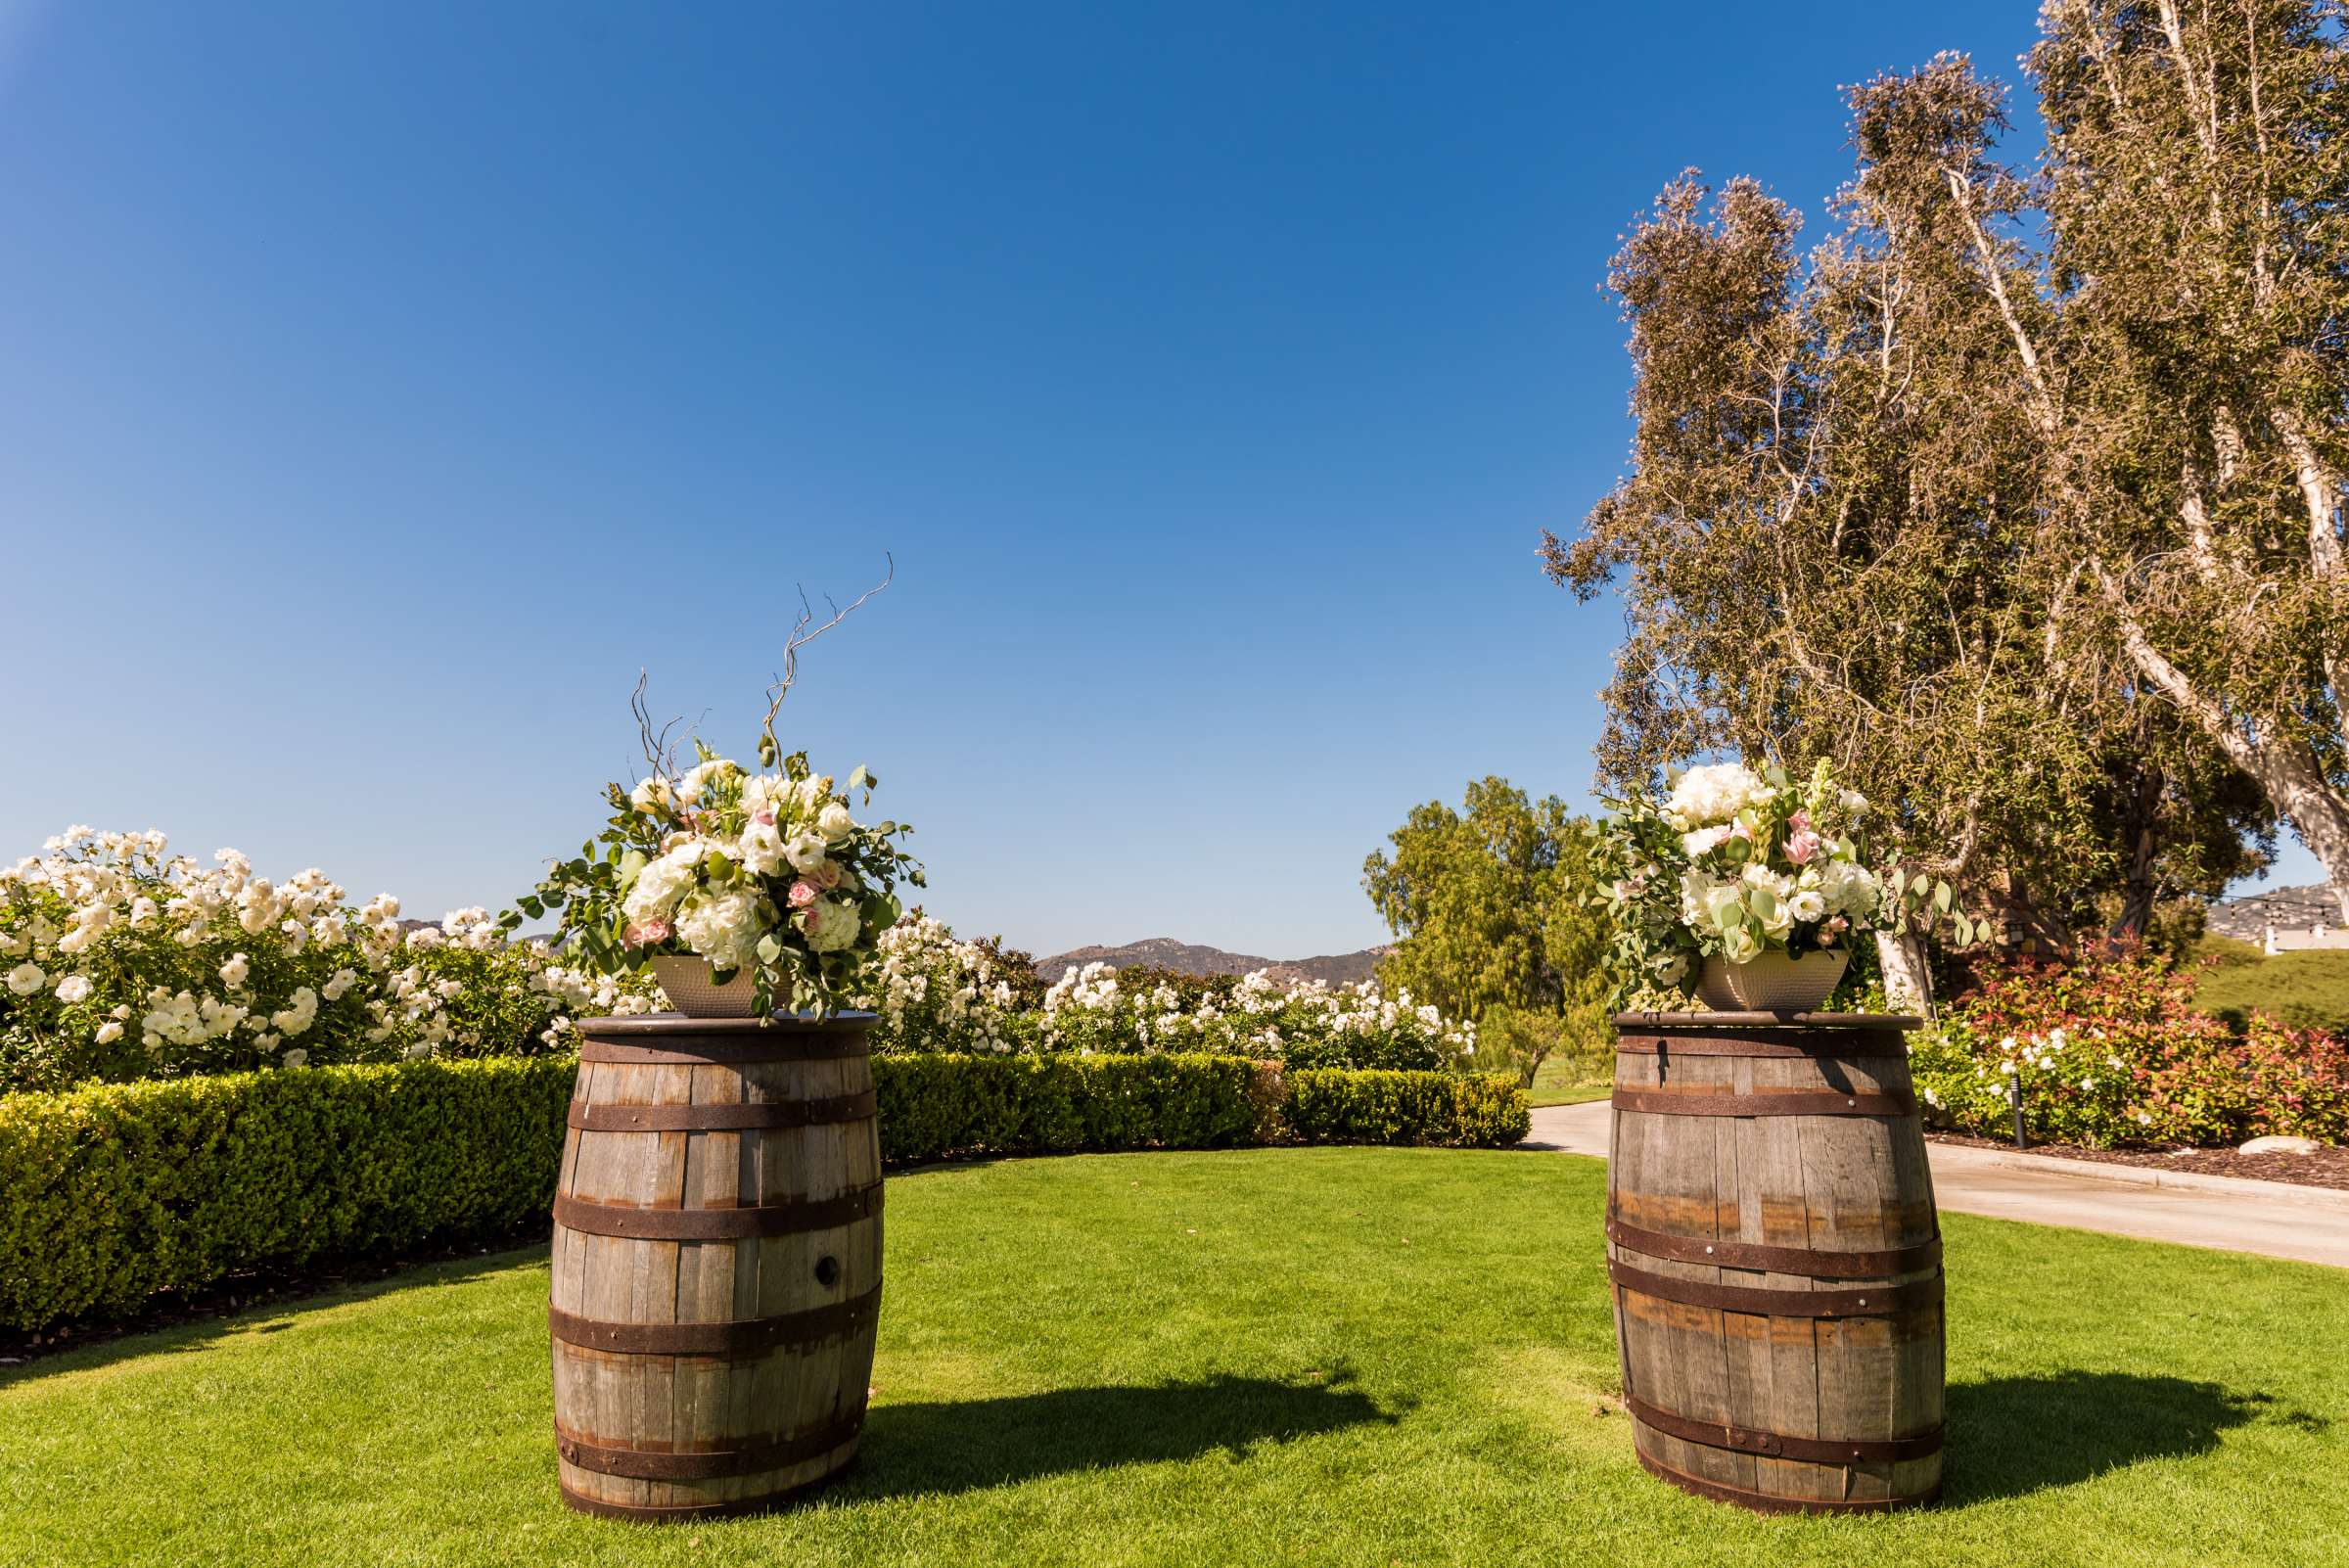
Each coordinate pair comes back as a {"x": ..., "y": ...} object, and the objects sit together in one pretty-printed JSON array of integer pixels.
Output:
[
  {"x": 717, "y": 1263},
  {"x": 1777, "y": 1259}
]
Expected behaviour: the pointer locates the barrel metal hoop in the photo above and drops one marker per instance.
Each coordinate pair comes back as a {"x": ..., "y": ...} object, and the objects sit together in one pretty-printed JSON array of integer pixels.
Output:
[
  {"x": 1818, "y": 1264},
  {"x": 643, "y": 1464},
  {"x": 1856, "y": 1044},
  {"x": 1764, "y": 1503},
  {"x": 745, "y": 1336},
  {"x": 780, "y": 1045},
  {"x": 789, "y": 1218},
  {"x": 1771, "y": 1300},
  {"x": 1796, "y": 1102},
  {"x": 1785, "y": 1446},
  {"x": 720, "y": 1115}
]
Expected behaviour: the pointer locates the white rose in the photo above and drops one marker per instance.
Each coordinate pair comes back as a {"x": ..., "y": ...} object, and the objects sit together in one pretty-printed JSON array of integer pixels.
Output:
[
  {"x": 73, "y": 989},
  {"x": 108, "y": 1033},
  {"x": 805, "y": 851},
  {"x": 26, "y": 978},
  {"x": 233, "y": 972},
  {"x": 650, "y": 796},
  {"x": 834, "y": 822},
  {"x": 760, "y": 850}
]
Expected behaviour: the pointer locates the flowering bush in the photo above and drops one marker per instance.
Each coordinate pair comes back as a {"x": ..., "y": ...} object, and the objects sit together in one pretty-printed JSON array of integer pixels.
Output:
[
  {"x": 765, "y": 872},
  {"x": 1736, "y": 862},
  {"x": 935, "y": 993},
  {"x": 2111, "y": 1049},
  {"x": 122, "y": 960}
]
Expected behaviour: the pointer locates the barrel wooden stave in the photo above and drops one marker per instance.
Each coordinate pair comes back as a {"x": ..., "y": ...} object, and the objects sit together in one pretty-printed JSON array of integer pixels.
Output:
[
  {"x": 1827, "y": 1183},
  {"x": 705, "y": 1403}
]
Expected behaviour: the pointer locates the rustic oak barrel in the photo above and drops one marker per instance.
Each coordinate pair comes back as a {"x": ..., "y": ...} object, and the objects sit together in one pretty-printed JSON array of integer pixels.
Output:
[
  {"x": 1777, "y": 1259},
  {"x": 717, "y": 1263}
]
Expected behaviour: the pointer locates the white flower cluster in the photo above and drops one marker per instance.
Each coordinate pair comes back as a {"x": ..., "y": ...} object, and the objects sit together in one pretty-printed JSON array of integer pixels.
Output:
[
  {"x": 116, "y": 944},
  {"x": 936, "y": 993}
]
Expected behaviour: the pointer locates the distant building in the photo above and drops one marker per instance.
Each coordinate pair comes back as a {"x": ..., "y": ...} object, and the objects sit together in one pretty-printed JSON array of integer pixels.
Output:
[{"x": 2305, "y": 940}]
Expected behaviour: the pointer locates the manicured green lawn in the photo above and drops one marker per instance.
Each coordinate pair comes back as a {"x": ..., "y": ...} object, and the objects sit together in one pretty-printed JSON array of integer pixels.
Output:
[
  {"x": 1261, "y": 1358},
  {"x": 1565, "y": 1081}
]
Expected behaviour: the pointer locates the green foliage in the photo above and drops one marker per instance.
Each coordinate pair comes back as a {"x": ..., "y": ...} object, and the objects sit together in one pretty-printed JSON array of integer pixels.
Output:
[
  {"x": 2301, "y": 989},
  {"x": 111, "y": 1193},
  {"x": 1488, "y": 910},
  {"x": 2112, "y": 1049},
  {"x": 934, "y": 1105},
  {"x": 1465, "y": 1110}
]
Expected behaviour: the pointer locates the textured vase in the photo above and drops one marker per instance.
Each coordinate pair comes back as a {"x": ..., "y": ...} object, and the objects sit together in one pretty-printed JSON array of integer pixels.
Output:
[
  {"x": 695, "y": 992},
  {"x": 1772, "y": 982}
]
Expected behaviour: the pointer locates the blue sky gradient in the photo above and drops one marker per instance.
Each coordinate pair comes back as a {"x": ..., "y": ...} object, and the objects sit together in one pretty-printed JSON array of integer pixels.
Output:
[{"x": 387, "y": 382}]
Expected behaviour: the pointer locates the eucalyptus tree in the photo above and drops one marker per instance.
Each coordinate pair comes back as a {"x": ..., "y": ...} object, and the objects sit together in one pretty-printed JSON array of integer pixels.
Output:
[{"x": 1888, "y": 504}]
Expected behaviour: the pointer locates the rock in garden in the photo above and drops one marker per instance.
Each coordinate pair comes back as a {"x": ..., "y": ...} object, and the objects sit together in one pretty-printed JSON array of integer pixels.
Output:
[{"x": 2279, "y": 1143}]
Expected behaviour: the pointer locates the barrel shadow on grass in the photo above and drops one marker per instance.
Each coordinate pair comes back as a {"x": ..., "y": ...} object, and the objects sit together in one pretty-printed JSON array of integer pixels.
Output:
[
  {"x": 2010, "y": 1436},
  {"x": 966, "y": 1445}
]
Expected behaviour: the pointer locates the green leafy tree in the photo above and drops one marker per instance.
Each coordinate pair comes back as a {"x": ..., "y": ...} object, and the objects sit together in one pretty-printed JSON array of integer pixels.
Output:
[
  {"x": 1486, "y": 906},
  {"x": 1879, "y": 501}
]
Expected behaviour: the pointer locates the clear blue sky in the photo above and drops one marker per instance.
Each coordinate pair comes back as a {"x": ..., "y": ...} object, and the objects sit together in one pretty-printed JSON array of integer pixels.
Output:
[{"x": 384, "y": 384}]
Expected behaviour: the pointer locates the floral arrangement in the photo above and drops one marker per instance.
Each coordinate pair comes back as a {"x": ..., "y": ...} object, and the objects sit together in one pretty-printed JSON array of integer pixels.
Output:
[
  {"x": 1736, "y": 861},
  {"x": 121, "y": 960},
  {"x": 766, "y": 872}
]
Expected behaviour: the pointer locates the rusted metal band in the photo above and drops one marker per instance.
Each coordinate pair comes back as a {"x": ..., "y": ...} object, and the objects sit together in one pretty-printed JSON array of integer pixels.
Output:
[
  {"x": 1671, "y": 1023},
  {"x": 776, "y": 1045},
  {"x": 786, "y": 1218},
  {"x": 1764, "y": 1503},
  {"x": 686, "y": 1512},
  {"x": 642, "y": 1464},
  {"x": 1856, "y": 1044},
  {"x": 722, "y": 1116},
  {"x": 1770, "y": 1300},
  {"x": 1792, "y": 1103},
  {"x": 1783, "y": 1445},
  {"x": 745, "y": 1336},
  {"x": 1819, "y": 1264}
]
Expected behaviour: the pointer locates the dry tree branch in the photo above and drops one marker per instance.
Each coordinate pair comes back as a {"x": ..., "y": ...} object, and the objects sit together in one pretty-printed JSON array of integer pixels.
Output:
[
  {"x": 658, "y": 746},
  {"x": 802, "y": 633}
]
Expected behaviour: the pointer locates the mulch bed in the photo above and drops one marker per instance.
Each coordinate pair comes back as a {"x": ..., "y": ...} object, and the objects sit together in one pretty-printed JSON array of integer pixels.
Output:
[
  {"x": 2326, "y": 1168},
  {"x": 241, "y": 1292}
]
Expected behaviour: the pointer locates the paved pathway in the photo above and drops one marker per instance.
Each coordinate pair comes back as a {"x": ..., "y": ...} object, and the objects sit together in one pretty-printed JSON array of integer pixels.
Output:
[{"x": 2272, "y": 1217}]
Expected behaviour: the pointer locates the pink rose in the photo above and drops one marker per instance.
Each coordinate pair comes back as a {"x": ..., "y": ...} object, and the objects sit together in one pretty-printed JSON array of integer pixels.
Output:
[
  {"x": 1802, "y": 844},
  {"x": 802, "y": 894},
  {"x": 827, "y": 876},
  {"x": 644, "y": 932},
  {"x": 763, "y": 819}
]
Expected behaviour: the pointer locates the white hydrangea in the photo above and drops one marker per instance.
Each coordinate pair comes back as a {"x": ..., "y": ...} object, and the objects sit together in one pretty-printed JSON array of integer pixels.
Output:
[
  {"x": 1714, "y": 793},
  {"x": 725, "y": 926}
]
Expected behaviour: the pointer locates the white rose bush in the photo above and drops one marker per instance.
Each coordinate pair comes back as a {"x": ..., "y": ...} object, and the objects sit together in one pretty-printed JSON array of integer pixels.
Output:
[
  {"x": 122, "y": 960},
  {"x": 1738, "y": 860},
  {"x": 935, "y": 993}
]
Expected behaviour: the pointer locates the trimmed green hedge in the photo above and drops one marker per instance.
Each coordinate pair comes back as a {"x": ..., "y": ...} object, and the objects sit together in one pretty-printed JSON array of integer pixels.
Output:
[
  {"x": 112, "y": 1193},
  {"x": 1466, "y": 1110},
  {"x": 109, "y": 1194}
]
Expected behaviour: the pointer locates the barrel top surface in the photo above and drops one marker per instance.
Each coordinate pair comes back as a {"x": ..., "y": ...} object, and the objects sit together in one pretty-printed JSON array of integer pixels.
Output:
[
  {"x": 658, "y": 1024},
  {"x": 1887, "y": 1021}
]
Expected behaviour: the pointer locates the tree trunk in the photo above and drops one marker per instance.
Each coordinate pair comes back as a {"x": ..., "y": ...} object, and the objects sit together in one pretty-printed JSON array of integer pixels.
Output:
[
  {"x": 2140, "y": 837},
  {"x": 1907, "y": 978}
]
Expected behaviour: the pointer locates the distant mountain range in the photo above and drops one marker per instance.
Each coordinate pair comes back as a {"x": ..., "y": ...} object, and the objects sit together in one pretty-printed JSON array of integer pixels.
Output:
[
  {"x": 1337, "y": 969},
  {"x": 2246, "y": 919}
]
